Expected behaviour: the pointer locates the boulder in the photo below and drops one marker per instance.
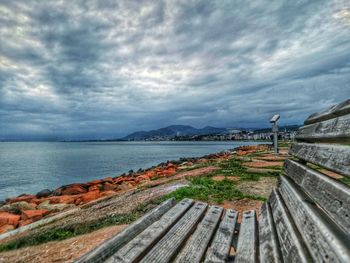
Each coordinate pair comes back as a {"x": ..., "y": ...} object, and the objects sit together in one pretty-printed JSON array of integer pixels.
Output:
[
  {"x": 88, "y": 197},
  {"x": 54, "y": 207},
  {"x": 9, "y": 219},
  {"x": 107, "y": 193},
  {"x": 6, "y": 228},
  {"x": 3, "y": 202},
  {"x": 109, "y": 187},
  {"x": 44, "y": 193},
  {"x": 94, "y": 182},
  {"x": 108, "y": 180},
  {"x": 63, "y": 199},
  {"x": 95, "y": 187},
  {"x": 73, "y": 189},
  {"x": 168, "y": 171},
  {"x": 143, "y": 177},
  {"x": 24, "y": 197},
  {"x": 125, "y": 186},
  {"x": 34, "y": 214},
  {"x": 25, "y": 222},
  {"x": 18, "y": 207}
]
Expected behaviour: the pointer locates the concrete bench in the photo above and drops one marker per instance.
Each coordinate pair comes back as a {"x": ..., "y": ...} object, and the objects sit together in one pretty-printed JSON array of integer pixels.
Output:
[{"x": 306, "y": 218}]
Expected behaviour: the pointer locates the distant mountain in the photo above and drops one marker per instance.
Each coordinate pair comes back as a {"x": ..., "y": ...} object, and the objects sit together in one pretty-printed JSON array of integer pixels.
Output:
[{"x": 172, "y": 131}]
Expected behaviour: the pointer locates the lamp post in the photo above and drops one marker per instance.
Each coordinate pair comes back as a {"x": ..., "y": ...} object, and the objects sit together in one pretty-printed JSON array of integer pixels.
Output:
[{"x": 274, "y": 120}]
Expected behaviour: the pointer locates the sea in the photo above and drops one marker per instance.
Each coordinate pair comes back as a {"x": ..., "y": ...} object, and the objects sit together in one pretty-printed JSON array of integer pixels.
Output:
[{"x": 28, "y": 167}]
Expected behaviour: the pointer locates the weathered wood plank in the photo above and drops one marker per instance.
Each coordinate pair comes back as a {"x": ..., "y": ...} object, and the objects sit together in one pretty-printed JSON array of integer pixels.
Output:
[
  {"x": 330, "y": 194},
  {"x": 324, "y": 239},
  {"x": 221, "y": 244},
  {"x": 197, "y": 245},
  {"x": 269, "y": 248},
  {"x": 333, "y": 130},
  {"x": 136, "y": 248},
  {"x": 168, "y": 246},
  {"x": 108, "y": 248},
  {"x": 332, "y": 112},
  {"x": 332, "y": 157},
  {"x": 247, "y": 247},
  {"x": 291, "y": 243}
]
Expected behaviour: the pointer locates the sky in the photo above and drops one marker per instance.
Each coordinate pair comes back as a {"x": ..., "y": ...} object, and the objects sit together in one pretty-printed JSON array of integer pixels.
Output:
[{"x": 102, "y": 69}]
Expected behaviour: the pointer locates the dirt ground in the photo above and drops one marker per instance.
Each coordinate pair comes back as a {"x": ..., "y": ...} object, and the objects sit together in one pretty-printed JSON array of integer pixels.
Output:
[
  {"x": 261, "y": 188},
  {"x": 61, "y": 251}
]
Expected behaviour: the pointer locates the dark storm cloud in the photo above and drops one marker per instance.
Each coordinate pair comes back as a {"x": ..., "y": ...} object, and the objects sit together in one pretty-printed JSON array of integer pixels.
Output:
[{"x": 92, "y": 69}]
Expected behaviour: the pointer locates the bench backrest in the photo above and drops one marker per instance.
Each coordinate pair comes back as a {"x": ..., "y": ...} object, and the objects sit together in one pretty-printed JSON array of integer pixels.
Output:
[{"x": 307, "y": 217}]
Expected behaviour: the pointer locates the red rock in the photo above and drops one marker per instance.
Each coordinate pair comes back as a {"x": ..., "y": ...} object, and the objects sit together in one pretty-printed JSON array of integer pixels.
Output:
[
  {"x": 168, "y": 172},
  {"x": 150, "y": 174},
  {"x": 108, "y": 180},
  {"x": 88, "y": 197},
  {"x": 119, "y": 180},
  {"x": 6, "y": 228},
  {"x": 123, "y": 179},
  {"x": 25, "y": 222},
  {"x": 74, "y": 189},
  {"x": 34, "y": 214},
  {"x": 143, "y": 177},
  {"x": 9, "y": 219},
  {"x": 109, "y": 187},
  {"x": 95, "y": 187},
  {"x": 125, "y": 186},
  {"x": 26, "y": 198},
  {"x": 94, "y": 182},
  {"x": 107, "y": 193},
  {"x": 63, "y": 199}
]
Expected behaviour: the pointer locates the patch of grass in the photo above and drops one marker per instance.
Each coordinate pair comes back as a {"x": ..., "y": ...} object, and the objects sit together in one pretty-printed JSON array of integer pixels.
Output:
[
  {"x": 208, "y": 190},
  {"x": 284, "y": 143},
  {"x": 234, "y": 167},
  {"x": 345, "y": 180},
  {"x": 56, "y": 234}
]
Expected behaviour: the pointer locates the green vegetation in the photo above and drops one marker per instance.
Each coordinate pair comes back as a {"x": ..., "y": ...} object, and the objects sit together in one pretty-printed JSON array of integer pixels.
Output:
[
  {"x": 65, "y": 232},
  {"x": 345, "y": 180},
  {"x": 206, "y": 189},
  {"x": 211, "y": 191}
]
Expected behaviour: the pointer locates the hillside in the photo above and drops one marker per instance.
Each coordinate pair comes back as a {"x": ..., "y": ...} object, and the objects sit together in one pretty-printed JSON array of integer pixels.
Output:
[{"x": 172, "y": 131}]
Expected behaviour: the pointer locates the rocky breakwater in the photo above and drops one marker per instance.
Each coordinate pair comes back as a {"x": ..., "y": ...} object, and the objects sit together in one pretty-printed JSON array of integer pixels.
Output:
[{"x": 27, "y": 208}]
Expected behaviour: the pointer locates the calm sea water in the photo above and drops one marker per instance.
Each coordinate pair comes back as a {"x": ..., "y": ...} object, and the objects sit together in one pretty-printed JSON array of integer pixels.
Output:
[{"x": 28, "y": 167}]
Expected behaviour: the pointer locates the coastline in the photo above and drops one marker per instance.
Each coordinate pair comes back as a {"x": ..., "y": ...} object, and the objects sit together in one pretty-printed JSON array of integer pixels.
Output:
[
  {"x": 32, "y": 166},
  {"x": 240, "y": 178}
]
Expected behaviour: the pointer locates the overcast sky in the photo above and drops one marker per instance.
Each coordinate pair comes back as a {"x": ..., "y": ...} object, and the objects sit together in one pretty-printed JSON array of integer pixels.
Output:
[{"x": 102, "y": 69}]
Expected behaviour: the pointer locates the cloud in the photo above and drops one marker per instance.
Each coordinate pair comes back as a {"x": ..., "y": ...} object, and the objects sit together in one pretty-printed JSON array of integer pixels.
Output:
[{"x": 101, "y": 69}]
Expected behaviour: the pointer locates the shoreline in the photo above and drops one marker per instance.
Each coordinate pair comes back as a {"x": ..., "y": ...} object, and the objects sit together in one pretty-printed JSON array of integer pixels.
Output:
[
  {"x": 239, "y": 179},
  {"x": 49, "y": 165},
  {"x": 28, "y": 208}
]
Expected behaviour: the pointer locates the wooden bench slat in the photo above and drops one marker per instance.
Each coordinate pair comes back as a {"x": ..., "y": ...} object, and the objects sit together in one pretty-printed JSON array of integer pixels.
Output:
[
  {"x": 219, "y": 250},
  {"x": 196, "y": 246},
  {"x": 325, "y": 240},
  {"x": 269, "y": 248},
  {"x": 332, "y": 112},
  {"x": 109, "y": 247},
  {"x": 136, "y": 248},
  {"x": 333, "y": 130},
  {"x": 330, "y": 194},
  {"x": 168, "y": 246},
  {"x": 247, "y": 238},
  {"x": 291, "y": 243},
  {"x": 332, "y": 157}
]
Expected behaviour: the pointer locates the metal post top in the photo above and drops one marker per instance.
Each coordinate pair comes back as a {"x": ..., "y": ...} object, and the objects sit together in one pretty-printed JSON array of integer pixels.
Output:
[{"x": 275, "y": 118}]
